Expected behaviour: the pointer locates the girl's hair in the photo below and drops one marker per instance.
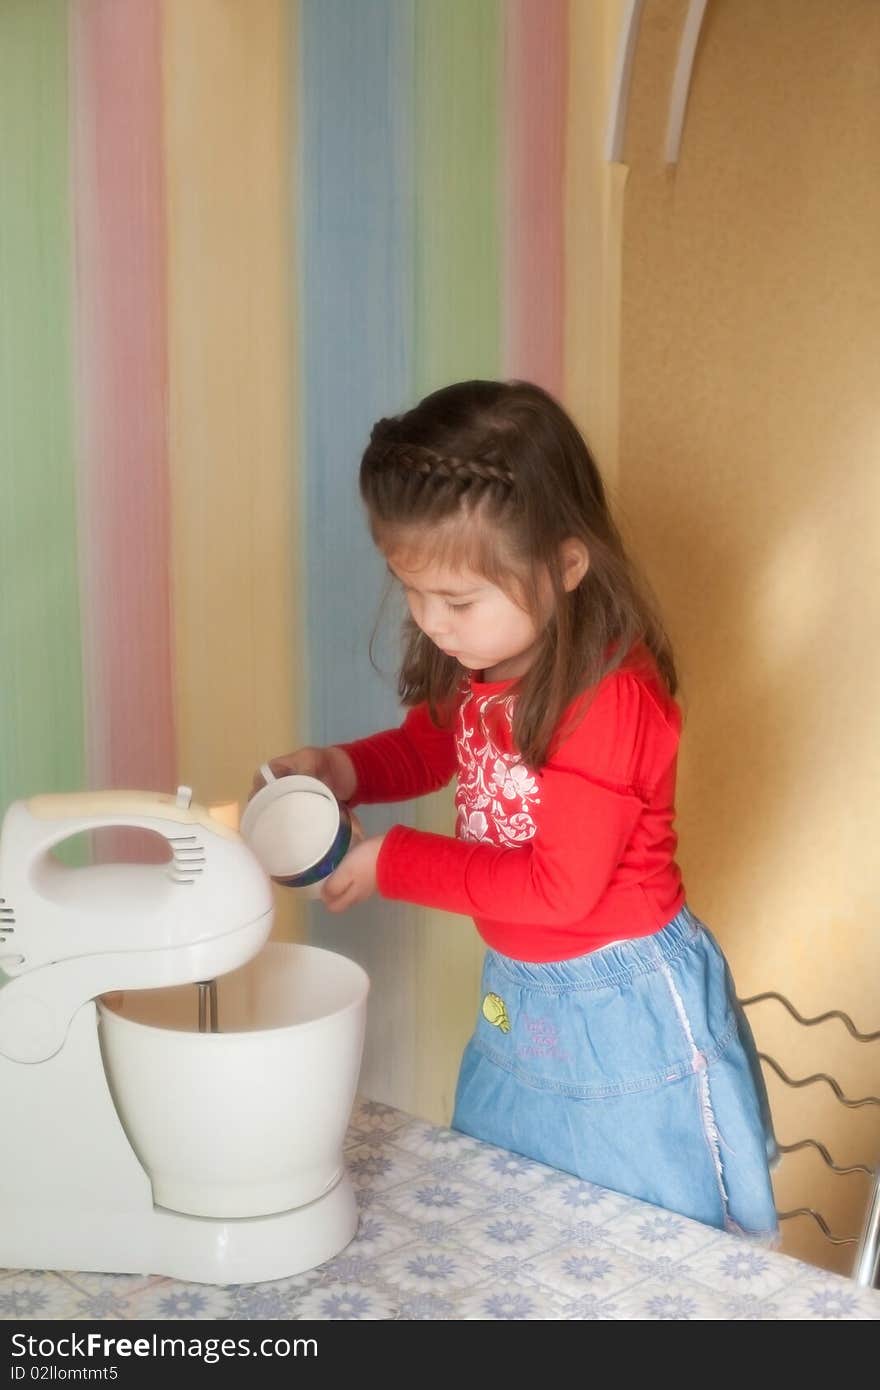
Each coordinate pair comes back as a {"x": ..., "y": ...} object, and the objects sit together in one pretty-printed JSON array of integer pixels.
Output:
[{"x": 495, "y": 476}]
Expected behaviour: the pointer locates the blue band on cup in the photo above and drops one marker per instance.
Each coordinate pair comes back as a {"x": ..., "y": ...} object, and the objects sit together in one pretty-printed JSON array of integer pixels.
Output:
[{"x": 328, "y": 862}]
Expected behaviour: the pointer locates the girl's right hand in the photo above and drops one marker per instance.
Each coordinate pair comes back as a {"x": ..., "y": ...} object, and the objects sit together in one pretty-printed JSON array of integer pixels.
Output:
[{"x": 332, "y": 766}]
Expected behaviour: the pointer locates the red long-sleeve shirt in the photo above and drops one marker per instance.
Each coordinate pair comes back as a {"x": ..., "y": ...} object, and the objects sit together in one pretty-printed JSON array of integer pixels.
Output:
[{"x": 550, "y": 864}]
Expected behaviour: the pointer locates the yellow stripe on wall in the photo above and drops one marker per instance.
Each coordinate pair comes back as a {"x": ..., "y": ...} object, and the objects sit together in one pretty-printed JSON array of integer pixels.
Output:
[
  {"x": 593, "y": 220},
  {"x": 226, "y": 76}
]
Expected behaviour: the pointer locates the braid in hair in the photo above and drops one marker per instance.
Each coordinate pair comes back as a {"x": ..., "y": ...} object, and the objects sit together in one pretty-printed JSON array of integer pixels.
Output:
[{"x": 387, "y": 453}]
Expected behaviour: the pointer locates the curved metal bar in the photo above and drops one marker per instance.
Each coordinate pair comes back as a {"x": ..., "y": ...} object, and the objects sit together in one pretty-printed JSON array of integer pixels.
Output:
[
  {"x": 819, "y": 1076},
  {"x": 867, "y": 1270},
  {"x": 826, "y": 1157},
  {"x": 681, "y": 81},
  {"x": 811, "y": 1022},
  {"x": 626, "y": 48},
  {"x": 821, "y": 1223}
]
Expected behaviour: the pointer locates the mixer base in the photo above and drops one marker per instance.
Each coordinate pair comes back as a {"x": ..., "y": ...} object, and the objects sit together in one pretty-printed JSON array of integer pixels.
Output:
[{"x": 196, "y": 1249}]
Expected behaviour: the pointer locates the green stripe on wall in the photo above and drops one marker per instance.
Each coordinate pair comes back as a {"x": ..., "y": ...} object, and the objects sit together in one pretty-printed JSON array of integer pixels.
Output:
[
  {"x": 457, "y": 255},
  {"x": 41, "y": 718},
  {"x": 457, "y": 336}
]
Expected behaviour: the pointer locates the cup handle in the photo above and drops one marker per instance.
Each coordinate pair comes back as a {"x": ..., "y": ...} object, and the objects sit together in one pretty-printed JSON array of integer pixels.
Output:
[{"x": 267, "y": 774}]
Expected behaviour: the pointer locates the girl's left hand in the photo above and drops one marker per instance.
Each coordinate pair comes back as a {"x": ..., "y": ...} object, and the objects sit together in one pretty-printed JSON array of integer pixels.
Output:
[{"x": 355, "y": 879}]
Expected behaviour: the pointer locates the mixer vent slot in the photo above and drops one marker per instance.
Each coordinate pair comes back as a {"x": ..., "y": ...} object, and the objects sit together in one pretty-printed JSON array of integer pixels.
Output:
[
  {"x": 7, "y": 919},
  {"x": 189, "y": 858}
]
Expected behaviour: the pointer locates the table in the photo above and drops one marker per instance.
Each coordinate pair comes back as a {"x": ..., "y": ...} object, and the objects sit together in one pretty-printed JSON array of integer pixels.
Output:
[{"x": 454, "y": 1229}]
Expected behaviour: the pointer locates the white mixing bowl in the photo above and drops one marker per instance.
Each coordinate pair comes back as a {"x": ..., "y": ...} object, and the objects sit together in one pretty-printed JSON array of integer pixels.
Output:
[{"x": 252, "y": 1119}]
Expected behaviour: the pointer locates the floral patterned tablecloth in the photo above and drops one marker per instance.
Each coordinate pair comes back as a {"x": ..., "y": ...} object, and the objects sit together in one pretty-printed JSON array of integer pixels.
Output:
[{"x": 454, "y": 1229}]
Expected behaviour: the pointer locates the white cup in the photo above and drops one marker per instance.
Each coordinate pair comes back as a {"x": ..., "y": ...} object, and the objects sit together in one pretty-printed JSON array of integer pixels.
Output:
[{"x": 297, "y": 829}]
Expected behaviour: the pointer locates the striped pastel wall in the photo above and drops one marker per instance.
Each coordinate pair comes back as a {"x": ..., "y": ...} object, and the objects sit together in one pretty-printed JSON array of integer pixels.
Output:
[{"x": 232, "y": 235}]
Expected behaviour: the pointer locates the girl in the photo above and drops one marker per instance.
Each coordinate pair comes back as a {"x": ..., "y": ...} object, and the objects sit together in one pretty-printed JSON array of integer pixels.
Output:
[{"x": 609, "y": 1042}]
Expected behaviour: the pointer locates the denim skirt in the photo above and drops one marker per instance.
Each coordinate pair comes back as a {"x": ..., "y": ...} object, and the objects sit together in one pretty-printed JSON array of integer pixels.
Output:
[{"x": 632, "y": 1067}]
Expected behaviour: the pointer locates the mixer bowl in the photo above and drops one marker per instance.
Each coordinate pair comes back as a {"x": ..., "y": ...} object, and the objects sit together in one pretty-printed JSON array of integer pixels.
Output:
[{"x": 250, "y": 1120}]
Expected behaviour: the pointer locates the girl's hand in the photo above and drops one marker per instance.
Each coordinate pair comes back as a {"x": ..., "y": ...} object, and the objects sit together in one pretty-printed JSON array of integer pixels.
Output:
[
  {"x": 332, "y": 766},
  {"x": 355, "y": 879}
]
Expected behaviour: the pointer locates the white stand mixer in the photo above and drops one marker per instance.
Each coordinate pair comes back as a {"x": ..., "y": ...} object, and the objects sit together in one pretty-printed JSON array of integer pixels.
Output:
[{"x": 85, "y": 1090}]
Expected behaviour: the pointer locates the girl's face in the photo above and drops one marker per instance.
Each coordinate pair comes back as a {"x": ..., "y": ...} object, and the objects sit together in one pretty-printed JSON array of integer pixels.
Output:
[{"x": 469, "y": 618}]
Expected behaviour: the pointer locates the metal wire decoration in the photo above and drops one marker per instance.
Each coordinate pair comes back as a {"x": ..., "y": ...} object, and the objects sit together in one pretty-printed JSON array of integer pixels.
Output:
[{"x": 866, "y": 1271}]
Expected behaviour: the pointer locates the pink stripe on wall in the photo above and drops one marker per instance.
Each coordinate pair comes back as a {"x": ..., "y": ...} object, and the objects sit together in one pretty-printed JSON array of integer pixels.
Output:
[
  {"x": 123, "y": 485},
  {"x": 535, "y": 68}
]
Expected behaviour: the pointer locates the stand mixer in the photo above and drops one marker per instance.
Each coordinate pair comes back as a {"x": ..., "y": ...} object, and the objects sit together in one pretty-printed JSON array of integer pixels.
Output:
[{"x": 134, "y": 1141}]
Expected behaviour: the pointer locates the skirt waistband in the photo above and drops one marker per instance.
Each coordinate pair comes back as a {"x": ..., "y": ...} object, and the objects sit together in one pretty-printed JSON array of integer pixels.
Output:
[{"x": 609, "y": 965}]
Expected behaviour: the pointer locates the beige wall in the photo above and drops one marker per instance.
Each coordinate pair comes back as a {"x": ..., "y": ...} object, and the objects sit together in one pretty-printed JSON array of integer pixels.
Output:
[
  {"x": 749, "y": 425},
  {"x": 722, "y": 324}
]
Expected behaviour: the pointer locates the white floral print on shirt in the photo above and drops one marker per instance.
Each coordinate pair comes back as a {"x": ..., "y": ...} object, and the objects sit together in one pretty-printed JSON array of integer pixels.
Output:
[{"x": 496, "y": 790}]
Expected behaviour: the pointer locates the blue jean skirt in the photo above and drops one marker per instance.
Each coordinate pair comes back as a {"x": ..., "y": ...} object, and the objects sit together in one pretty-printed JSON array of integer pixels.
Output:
[{"x": 632, "y": 1067}]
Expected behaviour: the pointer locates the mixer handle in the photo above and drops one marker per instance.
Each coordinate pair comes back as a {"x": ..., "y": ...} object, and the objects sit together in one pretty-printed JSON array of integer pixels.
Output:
[
  {"x": 54, "y": 913},
  {"x": 66, "y": 813}
]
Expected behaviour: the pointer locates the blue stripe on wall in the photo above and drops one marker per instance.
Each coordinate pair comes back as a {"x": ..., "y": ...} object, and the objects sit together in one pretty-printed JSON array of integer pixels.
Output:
[{"x": 355, "y": 209}]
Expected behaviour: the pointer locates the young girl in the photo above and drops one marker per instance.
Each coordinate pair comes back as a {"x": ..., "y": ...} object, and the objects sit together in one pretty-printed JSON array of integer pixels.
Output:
[{"x": 608, "y": 1042}]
